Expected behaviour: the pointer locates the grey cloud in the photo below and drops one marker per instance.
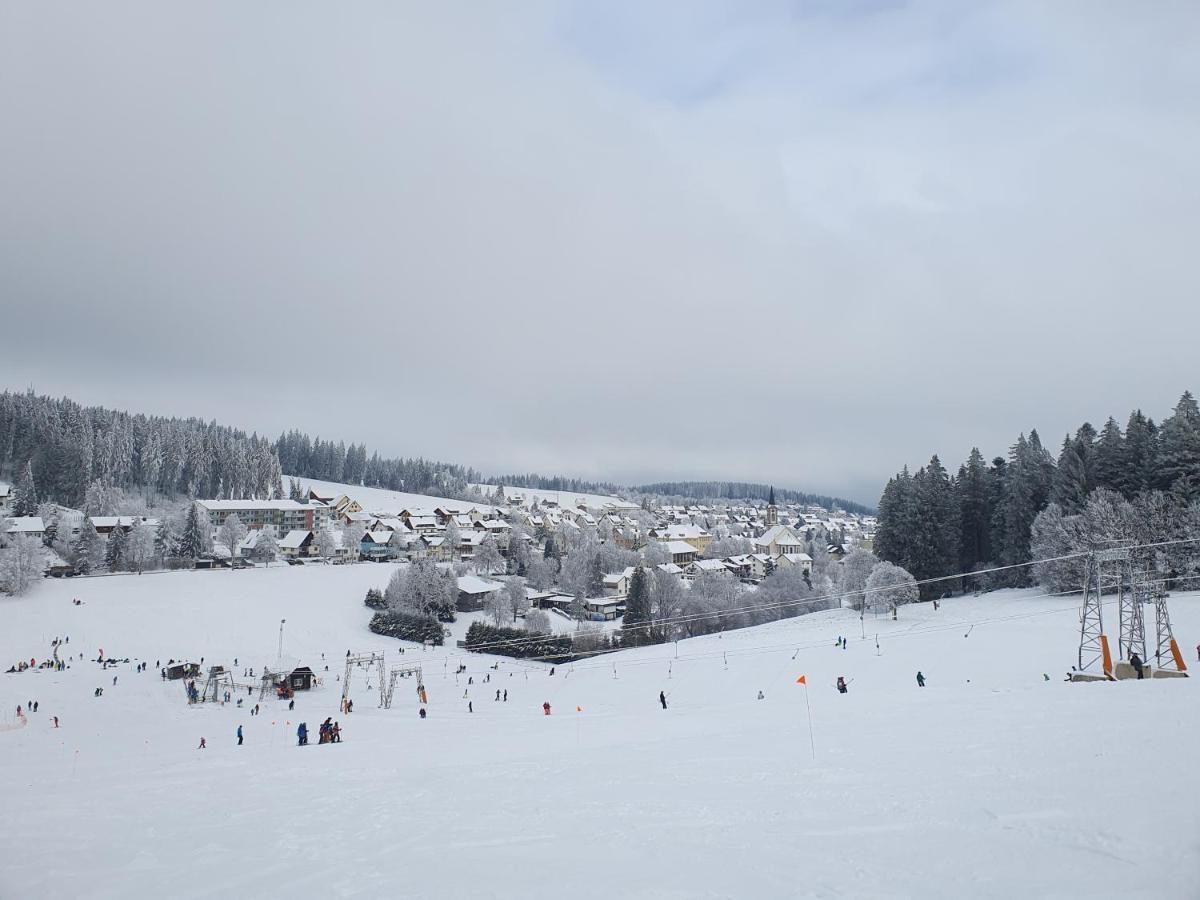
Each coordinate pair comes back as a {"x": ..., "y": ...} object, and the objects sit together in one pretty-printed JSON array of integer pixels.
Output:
[{"x": 507, "y": 238}]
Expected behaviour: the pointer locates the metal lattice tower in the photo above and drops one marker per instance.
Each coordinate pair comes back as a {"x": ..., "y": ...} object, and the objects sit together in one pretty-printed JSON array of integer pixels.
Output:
[
  {"x": 1091, "y": 621},
  {"x": 396, "y": 673},
  {"x": 365, "y": 661},
  {"x": 1132, "y": 637},
  {"x": 1166, "y": 653}
]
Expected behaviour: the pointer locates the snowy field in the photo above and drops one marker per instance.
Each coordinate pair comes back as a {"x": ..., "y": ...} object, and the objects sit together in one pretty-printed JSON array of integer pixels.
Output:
[
  {"x": 562, "y": 498},
  {"x": 989, "y": 782},
  {"x": 380, "y": 500}
]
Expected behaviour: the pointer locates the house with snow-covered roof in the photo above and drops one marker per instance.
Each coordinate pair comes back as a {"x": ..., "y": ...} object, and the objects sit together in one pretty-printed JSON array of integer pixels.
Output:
[
  {"x": 682, "y": 553},
  {"x": 473, "y": 592},
  {"x": 27, "y": 526},
  {"x": 778, "y": 540},
  {"x": 297, "y": 544}
]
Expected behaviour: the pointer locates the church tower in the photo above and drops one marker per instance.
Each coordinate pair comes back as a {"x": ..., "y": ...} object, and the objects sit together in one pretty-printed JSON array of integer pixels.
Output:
[{"x": 772, "y": 510}]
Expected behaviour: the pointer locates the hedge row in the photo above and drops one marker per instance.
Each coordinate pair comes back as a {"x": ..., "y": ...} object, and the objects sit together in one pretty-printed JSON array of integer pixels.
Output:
[
  {"x": 483, "y": 638},
  {"x": 407, "y": 627}
]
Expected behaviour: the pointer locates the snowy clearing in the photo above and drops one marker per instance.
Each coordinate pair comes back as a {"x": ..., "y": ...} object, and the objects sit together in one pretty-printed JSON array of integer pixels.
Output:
[{"x": 989, "y": 782}]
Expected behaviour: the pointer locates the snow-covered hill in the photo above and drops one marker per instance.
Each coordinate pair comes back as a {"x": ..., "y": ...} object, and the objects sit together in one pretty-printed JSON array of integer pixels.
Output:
[
  {"x": 988, "y": 782},
  {"x": 381, "y": 500}
]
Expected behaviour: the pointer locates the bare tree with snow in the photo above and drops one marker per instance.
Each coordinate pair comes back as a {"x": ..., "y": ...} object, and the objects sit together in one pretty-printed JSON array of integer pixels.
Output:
[
  {"x": 231, "y": 533},
  {"x": 21, "y": 564},
  {"x": 889, "y": 587}
]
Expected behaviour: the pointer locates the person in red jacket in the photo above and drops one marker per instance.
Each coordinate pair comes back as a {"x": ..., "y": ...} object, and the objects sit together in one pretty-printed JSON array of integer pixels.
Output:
[{"x": 546, "y": 707}]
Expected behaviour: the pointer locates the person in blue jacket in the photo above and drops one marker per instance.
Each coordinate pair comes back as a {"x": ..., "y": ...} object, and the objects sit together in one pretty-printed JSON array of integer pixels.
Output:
[
  {"x": 239, "y": 735},
  {"x": 302, "y": 733}
]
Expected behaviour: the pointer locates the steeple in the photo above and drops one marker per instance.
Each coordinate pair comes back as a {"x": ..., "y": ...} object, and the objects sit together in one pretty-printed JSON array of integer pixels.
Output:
[{"x": 772, "y": 511}]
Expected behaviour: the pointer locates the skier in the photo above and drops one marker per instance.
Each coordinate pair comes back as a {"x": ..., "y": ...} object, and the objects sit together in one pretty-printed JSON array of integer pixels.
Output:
[
  {"x": 202, "y": 744},
  {"x": 920, "y": 680},
  {"x": 55, "y": 721},
  {"x": 470, "y": 707},
  {"x": 760, "y": 696},
  {"x": 239, "y": 735},
  {"x": 497, "y": 694},
  {"x": 662, "y": 698},
  {"x": 841, "y": 685},
  {"x": 291, "y": 705},
  {"x": 546, "y": 707},
  {"x": 337, "y": 733},
  {"x": 421, "y": 712},
  {"x": 1136, "y": 662},
  {"x": 506, "y": 696},
  {"x": 114, "y": 681},
  {"x": 302, "y": 734}
]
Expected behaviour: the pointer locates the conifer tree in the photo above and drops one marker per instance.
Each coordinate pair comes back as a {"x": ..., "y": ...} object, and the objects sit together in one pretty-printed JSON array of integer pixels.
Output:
[
  {"x": 25, "y": 497},
  {"x": 935, "y": 529},
  {"x": 1108, "y": 459},
  {"x": 114, "y": 553},
  {"x": 192, "y": 542},
  {"x": 1069, "y": 490},
  {"x": 1141, "y": 453},
  {"x": 975, "y": 512},
  {"x": 88, "y": 549},
  {"x": 1179, "y": 445},
  {"x": 635, "y": 624}
]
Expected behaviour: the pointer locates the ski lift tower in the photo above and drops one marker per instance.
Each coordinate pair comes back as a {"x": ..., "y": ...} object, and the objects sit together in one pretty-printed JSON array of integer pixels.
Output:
[
  {"x": 1168, "y": 660},
  {"x": 396, "y": 673},
  {"x": 1093, "y": 642},
  {"x": 364, "y": 661}
]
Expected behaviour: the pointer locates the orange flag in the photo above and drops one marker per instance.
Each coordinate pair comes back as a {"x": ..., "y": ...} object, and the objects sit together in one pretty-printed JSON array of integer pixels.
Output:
[{"x": 803, "y": 679}]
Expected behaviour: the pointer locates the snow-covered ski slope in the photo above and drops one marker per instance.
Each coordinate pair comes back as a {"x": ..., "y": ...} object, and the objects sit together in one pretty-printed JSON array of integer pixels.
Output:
[
  {"x": 381, "y": 501},
  {"x": 565, "y": 499},
  {"x": 989, "y": 782}
]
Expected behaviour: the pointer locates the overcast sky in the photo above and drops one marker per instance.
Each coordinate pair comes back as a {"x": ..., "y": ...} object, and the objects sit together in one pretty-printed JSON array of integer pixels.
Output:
[{"x": 803, "y": 243}]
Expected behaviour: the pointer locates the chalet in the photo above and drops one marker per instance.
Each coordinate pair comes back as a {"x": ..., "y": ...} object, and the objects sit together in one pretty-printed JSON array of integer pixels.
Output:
[
  {"x": 617, "y": 583},
  {"x": 473, "y": 592},
  {"x": 741, "y": 566},
  {"x": 707, "y": 567},
  {"x": 345, "y": 505},
  {"x": 682, "y": 553},
  {"x": 794, "y": 559},
  {"x": 377, "y": 546},
  {"x": 761, "y": 565},
  {"x": 424, "y": 524},
  {"x": 297, "y": 544},
  {"x": 29, "y": 526},
  {"x": 778, "y": 540}
]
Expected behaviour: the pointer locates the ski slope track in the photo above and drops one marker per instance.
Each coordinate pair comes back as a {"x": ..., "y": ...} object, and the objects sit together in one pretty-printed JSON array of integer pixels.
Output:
[{"x": 988, "y": 782}]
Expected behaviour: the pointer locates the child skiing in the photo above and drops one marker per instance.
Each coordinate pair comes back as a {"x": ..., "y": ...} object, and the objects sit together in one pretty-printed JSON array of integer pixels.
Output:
[{"x": 920, "y": 680}]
